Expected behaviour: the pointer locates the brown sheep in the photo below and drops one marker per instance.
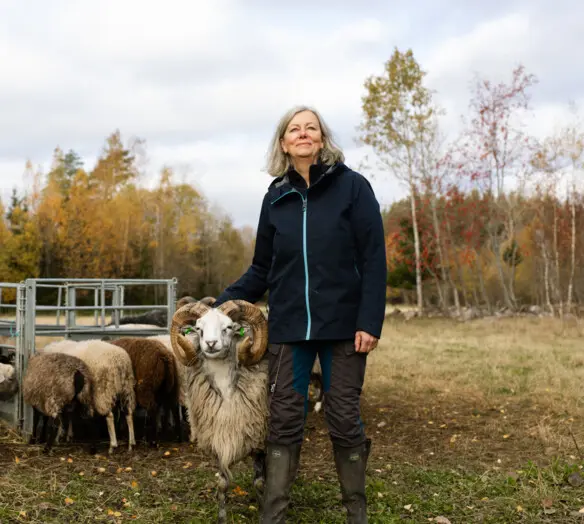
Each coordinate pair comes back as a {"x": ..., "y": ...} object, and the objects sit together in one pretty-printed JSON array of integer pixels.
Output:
[
  {"x": 55, "y": 385},
  {"x": 156, "y": 381}
]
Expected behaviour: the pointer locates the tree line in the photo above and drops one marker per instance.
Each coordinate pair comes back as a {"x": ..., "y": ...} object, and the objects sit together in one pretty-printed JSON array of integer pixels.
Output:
[
  {"x": 101, "y": 223},
  {"x": 493, "y": 217}
]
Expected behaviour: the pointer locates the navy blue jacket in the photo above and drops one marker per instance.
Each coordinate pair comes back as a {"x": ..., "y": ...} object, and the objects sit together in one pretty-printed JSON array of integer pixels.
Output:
[{"x": 320, "y": 252}]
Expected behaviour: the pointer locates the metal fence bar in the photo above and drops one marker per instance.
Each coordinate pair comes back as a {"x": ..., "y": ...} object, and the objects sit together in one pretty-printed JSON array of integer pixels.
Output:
[
  {"x": 99, "y": 331},
  {"x": 124, "y": 281},
  {"x": 95, "y": 303},
  {"x": 70, "y": 316},
  {"x": 122, "y": 299},
  {"x": 171, "y": 299},
  {"x": 59, "y": 300},
  {"x": 85, "y": 286},
  {"x": 116, "y": 302},
  {"x": 20, "y": 365},
  {"x": 91, "y": 308},
  {"x": 102, "y": 305},
  {"x": 28, "y": 349}
]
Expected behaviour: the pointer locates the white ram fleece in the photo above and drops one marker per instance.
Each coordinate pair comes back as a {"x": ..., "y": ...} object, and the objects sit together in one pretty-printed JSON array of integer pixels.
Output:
[
  {"x": 228, "y": 420},
  {"x": 111, "y": 368}
]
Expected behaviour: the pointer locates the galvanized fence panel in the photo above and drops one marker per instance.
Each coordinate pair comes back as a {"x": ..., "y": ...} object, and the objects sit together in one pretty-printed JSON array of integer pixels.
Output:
[{"x": 23, "y": 327}]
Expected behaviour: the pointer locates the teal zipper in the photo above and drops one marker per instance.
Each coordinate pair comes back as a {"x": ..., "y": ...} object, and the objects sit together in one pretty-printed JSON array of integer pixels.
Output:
[
  {"x": 305, "y": 255},
  {"x": 309, "y": 322}
]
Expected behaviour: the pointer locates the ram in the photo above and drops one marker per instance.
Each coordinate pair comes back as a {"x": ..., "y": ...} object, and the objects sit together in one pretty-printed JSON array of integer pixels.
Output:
[{"x": 226, "y": 385}]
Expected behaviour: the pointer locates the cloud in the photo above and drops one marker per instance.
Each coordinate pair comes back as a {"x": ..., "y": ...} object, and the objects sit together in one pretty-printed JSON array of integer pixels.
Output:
[
  {"x": 205, "y": 82},
  {"x": 494, "y": 47}
]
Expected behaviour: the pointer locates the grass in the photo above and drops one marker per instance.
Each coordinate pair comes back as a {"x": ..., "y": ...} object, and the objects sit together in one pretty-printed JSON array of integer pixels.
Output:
[{"x": 474, "y": 422}]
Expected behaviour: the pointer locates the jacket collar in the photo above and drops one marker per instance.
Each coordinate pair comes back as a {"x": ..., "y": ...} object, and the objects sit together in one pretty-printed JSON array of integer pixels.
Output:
[{"x": 291, "y": 179}]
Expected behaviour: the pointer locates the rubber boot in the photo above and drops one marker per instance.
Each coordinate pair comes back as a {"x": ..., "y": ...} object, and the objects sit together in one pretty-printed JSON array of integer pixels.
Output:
[
  {"x": 351, "y": 464},
  {"x": 281, "y": 469}
]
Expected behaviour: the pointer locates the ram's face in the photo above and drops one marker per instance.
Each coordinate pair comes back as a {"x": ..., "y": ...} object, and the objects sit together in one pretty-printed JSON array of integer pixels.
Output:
[{"x": 217, "y": 334}]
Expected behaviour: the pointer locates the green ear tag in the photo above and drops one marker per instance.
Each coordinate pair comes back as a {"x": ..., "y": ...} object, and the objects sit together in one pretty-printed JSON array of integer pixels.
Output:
[
  {"x": 241, "y": 332},
  {"x": 188, "y": 330}
]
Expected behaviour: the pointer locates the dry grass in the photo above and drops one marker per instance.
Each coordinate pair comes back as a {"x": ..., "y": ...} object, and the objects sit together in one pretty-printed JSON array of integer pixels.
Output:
[
  {"x": 511, "y": 381},
  {"x": 535, "y": 358}
]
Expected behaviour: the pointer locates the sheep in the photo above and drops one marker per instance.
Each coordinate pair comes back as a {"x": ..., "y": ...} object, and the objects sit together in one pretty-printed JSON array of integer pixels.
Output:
[
  {"x": 227, "y": 377},
  {"x": 55, "y": 385},
  {"x": 111, "y": 327},
  {"x": 180, "y": 374},
  {"x": 156, "y": 381},
  {"x": 111, "y": 368},
  {"x": 8, "y": 382},
  {"x": 155, "y": 317},
  {"x": 316, "y": 390}
]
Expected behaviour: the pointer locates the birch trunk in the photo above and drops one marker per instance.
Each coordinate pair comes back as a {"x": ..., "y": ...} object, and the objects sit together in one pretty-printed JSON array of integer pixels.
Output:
[{"x": 416, "y": 245}]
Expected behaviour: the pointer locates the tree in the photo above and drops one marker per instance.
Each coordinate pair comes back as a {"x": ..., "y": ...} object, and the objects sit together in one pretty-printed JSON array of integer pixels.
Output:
[
  {"x": 496, "y": 149},
  {"x": 116, "y": 166},
  {"x": 560, "y": 158},
  {"x": 21, "y": 250},
  {"x": 399, "y": 121},
  {"x": 63, "y": 170}
]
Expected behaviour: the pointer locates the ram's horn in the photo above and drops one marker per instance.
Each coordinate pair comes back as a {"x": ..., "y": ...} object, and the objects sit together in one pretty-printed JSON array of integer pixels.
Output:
[
  {"x": 249, "y": 353},
  {"x": 184, "y": 300},
  {"x": 209, "y": 301},
  {"x": 182, "y": 347}
]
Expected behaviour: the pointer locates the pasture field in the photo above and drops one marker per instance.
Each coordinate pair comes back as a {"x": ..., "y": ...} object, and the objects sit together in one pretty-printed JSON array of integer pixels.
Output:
[{"x": 480, "y": 421}]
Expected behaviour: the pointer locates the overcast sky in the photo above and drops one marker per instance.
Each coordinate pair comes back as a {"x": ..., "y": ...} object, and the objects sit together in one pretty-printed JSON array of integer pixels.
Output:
[{"x": 204, "y": 82}]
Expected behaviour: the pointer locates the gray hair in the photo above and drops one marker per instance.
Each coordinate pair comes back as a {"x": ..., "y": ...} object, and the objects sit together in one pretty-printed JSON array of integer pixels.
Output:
[{"x": 278, "y": 162}]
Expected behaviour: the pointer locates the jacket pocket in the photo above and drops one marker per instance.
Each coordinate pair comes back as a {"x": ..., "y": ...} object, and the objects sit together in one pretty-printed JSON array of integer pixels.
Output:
[{"x": 348, "y": 348}]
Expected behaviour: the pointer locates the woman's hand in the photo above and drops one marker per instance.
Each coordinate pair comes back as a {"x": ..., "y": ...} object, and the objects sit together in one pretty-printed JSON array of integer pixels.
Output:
[{"x": 364, "y": 342}]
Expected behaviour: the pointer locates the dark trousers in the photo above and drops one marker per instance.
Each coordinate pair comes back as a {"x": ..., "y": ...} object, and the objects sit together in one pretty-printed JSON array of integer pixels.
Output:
[{"x": 343, "y": 372}]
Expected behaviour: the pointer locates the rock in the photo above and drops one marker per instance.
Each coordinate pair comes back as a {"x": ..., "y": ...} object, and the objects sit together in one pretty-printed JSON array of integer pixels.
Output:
[
  {"x": 469, "y": 314},
  {"x": 408, "y": 315},
  {"x": 535, "y": 310},
  {"x": 396, "y": 313},
  {"x": 575, "y": 480}
]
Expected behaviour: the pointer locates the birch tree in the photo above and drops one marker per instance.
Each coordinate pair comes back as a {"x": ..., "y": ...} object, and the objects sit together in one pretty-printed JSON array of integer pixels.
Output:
[{"x": 398, "y": 121}]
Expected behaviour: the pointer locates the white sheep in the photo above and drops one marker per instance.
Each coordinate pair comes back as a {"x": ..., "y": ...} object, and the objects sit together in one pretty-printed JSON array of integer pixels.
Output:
[
  {"x": 111, "y": 327},
  {"x": 111, "y": 368},
  {"x": 8, "y": 382},
  {"x": 226, "y": 388}
]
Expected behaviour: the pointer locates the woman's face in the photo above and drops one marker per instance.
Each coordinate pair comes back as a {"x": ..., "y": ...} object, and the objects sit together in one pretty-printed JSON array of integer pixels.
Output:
[{"x": 303, "y": 137}]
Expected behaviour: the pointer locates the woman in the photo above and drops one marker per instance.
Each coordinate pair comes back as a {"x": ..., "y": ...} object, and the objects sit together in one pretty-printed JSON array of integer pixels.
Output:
[{"x": 320, "y": 252}]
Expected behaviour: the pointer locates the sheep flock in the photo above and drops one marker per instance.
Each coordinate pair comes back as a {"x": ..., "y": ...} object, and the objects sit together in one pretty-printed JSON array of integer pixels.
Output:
[{"x": 209, "y": 376}]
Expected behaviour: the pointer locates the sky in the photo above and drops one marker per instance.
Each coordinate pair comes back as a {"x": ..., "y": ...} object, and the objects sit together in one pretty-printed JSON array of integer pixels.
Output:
[{"x": 204, "y": 83}]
